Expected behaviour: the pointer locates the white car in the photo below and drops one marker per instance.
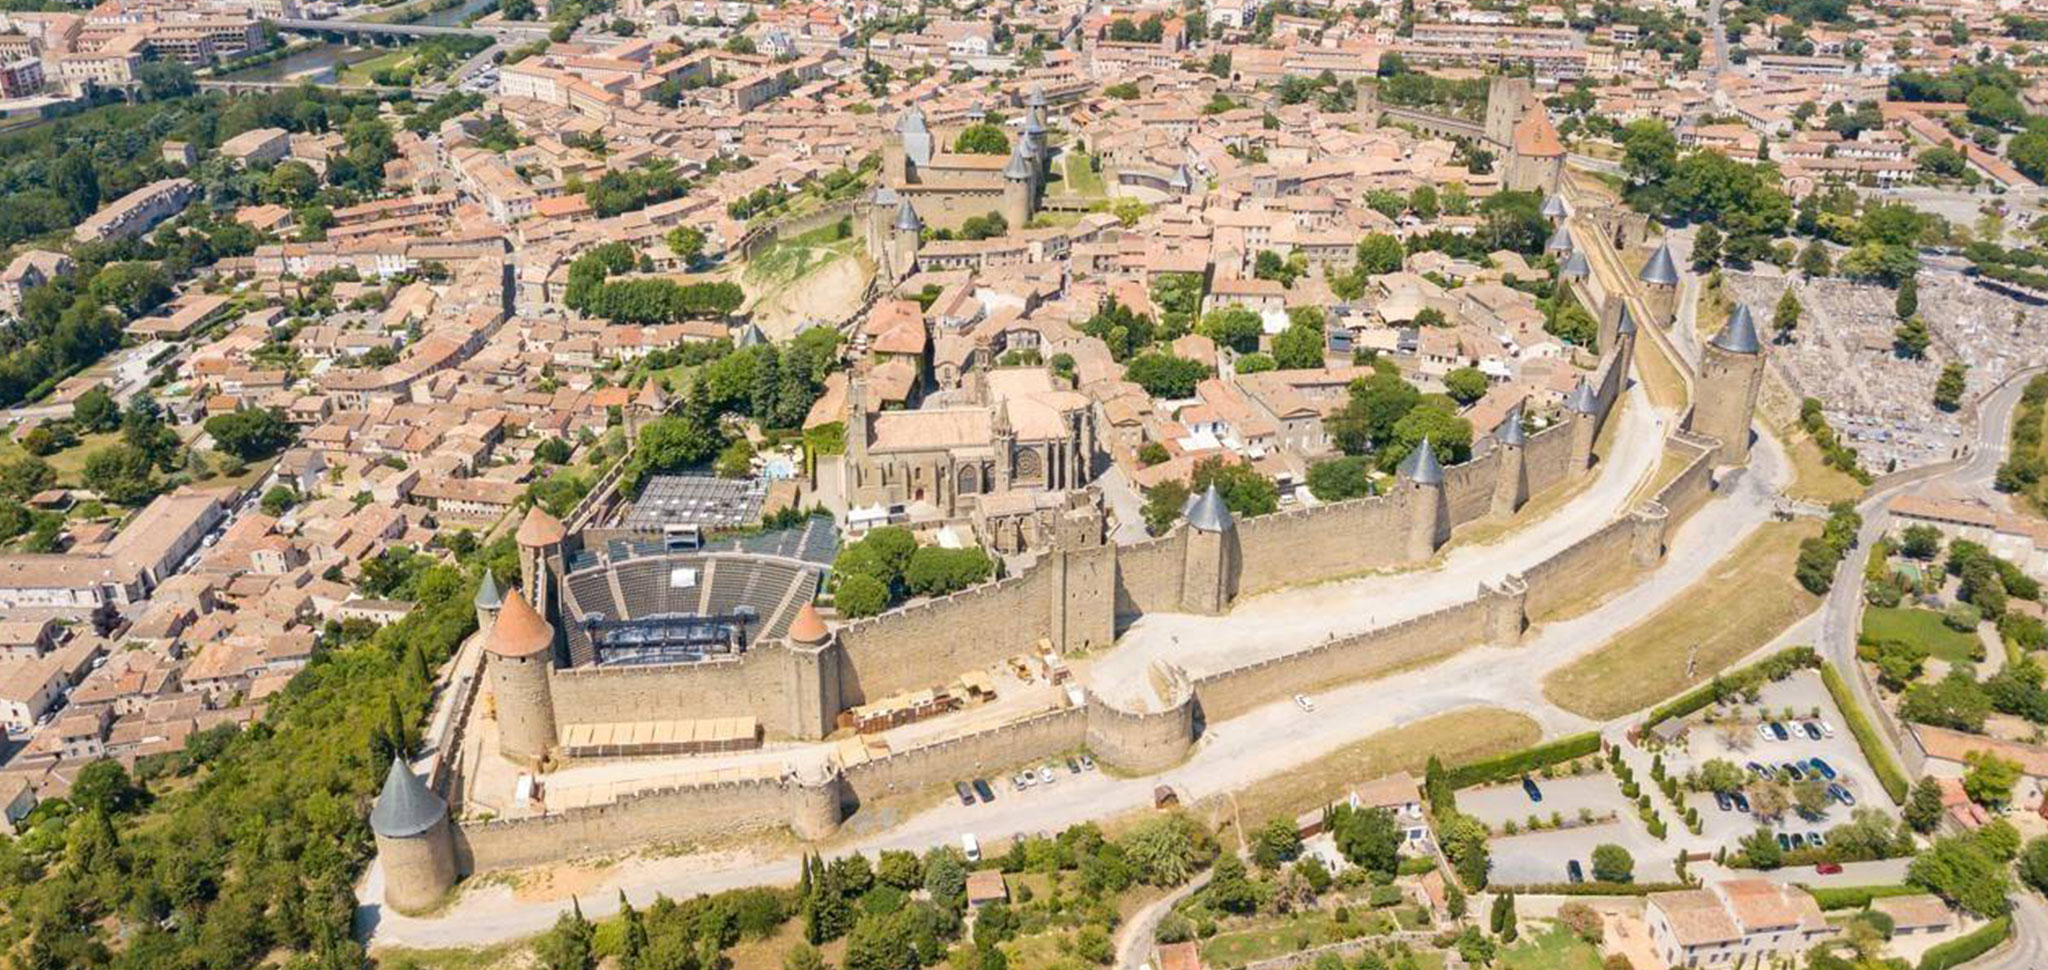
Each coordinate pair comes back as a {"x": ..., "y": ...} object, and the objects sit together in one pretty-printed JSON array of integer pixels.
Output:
[
  {"x": 1045, "y": 775},
  {"x": 1764, "y": 731},
  {"x": 1302, "y": 701},
  {"x": 1827, "y": 730}
]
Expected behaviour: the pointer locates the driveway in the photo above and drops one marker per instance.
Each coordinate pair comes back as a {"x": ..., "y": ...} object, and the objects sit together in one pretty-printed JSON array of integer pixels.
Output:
[{"x": 1541, "y": 857}]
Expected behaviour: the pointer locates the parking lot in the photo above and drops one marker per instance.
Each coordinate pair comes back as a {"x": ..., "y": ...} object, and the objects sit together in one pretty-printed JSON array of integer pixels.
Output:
[
  {"x": 1736, "y": 739},
  {"x": 1563, "y": 798},
  {"x": 1541, "y": 857}
]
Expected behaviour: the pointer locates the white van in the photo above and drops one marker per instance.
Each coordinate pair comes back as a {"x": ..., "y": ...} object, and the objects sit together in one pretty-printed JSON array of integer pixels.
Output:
[{"x": 971, "y": 847}]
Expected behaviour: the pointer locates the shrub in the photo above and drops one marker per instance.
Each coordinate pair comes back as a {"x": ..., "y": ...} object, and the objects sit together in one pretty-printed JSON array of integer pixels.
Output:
[
  {"x": 1968, "y": 947},
  {"x": 1857, "y": 897},
  {"x": 1888, "y": 773},
  {"x": 1521, "y": 762}
]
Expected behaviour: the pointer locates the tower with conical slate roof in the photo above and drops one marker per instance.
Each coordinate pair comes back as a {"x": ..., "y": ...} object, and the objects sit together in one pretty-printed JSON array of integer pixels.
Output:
[
  {"x": 1511, "y": 488},
  {"x": 1020, "y": 184},
  {"x": 1209, "y": 574},
  {"x": 489, "y": 599},
  {"x": 1584, "y": 407},
  {"x": 415, "y": 847},
  {"x": 1660, "y": 286},
  {"x": 1422, "y": 488},
  {"x": 521, "y": 655},
  {"x": 1731, "y": 375}
]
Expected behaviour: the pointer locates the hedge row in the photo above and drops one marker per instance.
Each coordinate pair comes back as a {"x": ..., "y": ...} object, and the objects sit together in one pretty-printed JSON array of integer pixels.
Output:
[
  {"x": 1856, "y": 897},
  {"x": 1590, "y": 888},
  {"x": 1888, "y": 772},
  {"x": 1516, "y": 764},
  {"x": 1968, "y": 947},
  {"x": 1777, "y": 666}
]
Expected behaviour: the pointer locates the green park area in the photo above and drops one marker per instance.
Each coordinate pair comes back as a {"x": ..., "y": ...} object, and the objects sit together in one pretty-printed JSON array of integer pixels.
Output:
[{"x": 1923, "y": 628}]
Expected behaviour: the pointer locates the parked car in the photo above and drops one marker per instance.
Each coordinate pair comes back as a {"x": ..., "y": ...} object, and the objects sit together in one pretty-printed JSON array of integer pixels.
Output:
[
  {"x": 1778, "y": 731},
  {"x": 1784, "y": 842},
  {"x": 1087, "y": 763},
  {"x": 1046, "y": 776},
  {"x": 966, "y": 796},
  {"x": 1827, "y": 730},
  {"x": 1792, "y": 771},
  {"x": 1828, "y": 868},
  {"x": 1826, "y": 770},
  {"x": 1574, "y": 872},
  {"x": 1073, "y": 767},
  {"x": 1798, "y": 840},
  {"x": 1815, "y": 840},
  {"x": 1758, "y": 770},
  {"x": 1529, "y": 788},
  {"x": 1741, "y": 802},
  {"x": 1021, "y": 781},
  {"x": 1722, "y": 801},
  {"x": 1764, "y": 731},
  {"x": 1302, "y": 701},
  {"x": 984, "y": 789},
  {"x": 1840, "y": 794},
  {"x": 1812, "y": 730}
]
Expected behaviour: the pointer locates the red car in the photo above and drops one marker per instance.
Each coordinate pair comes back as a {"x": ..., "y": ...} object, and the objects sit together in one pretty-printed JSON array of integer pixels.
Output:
[{"x": 1828, "y": 868}]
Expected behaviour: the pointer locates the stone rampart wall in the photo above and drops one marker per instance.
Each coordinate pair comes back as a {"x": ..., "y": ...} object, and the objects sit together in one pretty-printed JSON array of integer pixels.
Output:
[
  {"x": 670, "y": 814},
  {"x": 1684, "y": 494},
  {"x": 1149, "y": 575},
  {"x": 753, "y": 684},
  {"x": 930, "y": 643},
  {"x": 1307, "y": 545},
  {"x": 986, "y": 752},
  {"x": 1583, "y": 565},
  {"x": 1431, "y": 636}
]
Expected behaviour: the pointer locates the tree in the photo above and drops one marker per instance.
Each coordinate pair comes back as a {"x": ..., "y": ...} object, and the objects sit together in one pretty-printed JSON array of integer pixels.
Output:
[
  {"x": 1963, "y": 871},
  {"x": 1164, "y": 375},
  {"x": 133, "y": 288},
  {"x": 860, "y": 595},
  {"x": 2033, "y": 864},
  {"x": 1814, "y": 262},
  {"x": 1649, "y": 155},
  {"x": 23, "y": 477},
  {"x": 1722, "y": 775},
  {"x": 570, "y": 945},
  {"x": 802, "y": 956},
  {"x": 1379, "y": 253},
  {"x": 1990, "y": 779},
  {"x": 1465, "y": 384},
  {"x": 1762, "y": 849},
  {"x": 103, "y": 786},
  {"x": 121, "y": 473},
  {"x": 95, "y": 411},
  {"x": 1232, "y": 326},
  {"x": 1230, "y": 889},
  {"x": 1811, "y": 797},
  {"x": 1786, "y": 318},
  {"x": 1612, "y": 863},
  {"x": 1948, "y": 389},
  {"x": 1368, "y": 837},
  {"x": 1300, "y": 346},
  {"x": 1275, "y": 843},
  {"x": 1166, "y": 850},
  {"x": 251, "y": 433},
  {"x": 936, "y": 571},
  {"x": 1907, "y": 302},
  {"x": 1336, "y": 479},
  {"x": 1706, "y": 248},
  {"x": 1922, "y": 542},
  {"x": 1910, "y": 339}
]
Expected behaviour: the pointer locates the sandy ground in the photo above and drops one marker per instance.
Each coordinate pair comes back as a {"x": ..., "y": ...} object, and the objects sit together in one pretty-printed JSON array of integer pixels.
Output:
[{"x": 824, "y": 293}]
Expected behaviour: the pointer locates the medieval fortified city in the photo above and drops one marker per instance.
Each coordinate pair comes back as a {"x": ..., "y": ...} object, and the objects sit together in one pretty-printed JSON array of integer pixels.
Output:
[{"x": 1023, "y": 484}]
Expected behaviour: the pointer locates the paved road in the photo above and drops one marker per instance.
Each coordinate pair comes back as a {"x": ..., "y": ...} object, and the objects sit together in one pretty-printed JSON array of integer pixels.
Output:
[
  {"x": 1134, "y": 939},
  {"x": 1281, "y": 622},
  {"x": 2028, "y": 949}
]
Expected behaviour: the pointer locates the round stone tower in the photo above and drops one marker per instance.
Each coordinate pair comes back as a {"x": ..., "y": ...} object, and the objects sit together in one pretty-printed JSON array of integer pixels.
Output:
[
  {"x": 540, "y": 539},
  {"x": 521, "y": 648},
  {"x": 1209, "y": 575},
  {"x": 1660, "y": 286},
  {"x": 489, "y": 599},
  {"x": 1584, "y": 408},
  {"x": 816, "y": 794},
  {"x": 1731, "y": 374},
  {"x": 1511, "y": 489},
  {"x": 1429, "y": 516},
  {"x": 414, "y": 842}
]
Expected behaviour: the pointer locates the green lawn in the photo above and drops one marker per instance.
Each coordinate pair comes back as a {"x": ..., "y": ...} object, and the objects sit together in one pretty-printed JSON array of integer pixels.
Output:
[
  {"x": 68, "y": 463},
  {"x": 1271, "y": 938},
  {"x": 1924, "y": 627},
  {"x": 359, "y": 72},
  {"x": 1554, "y": 949},
  {"x": 1078, "y": 179}
]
